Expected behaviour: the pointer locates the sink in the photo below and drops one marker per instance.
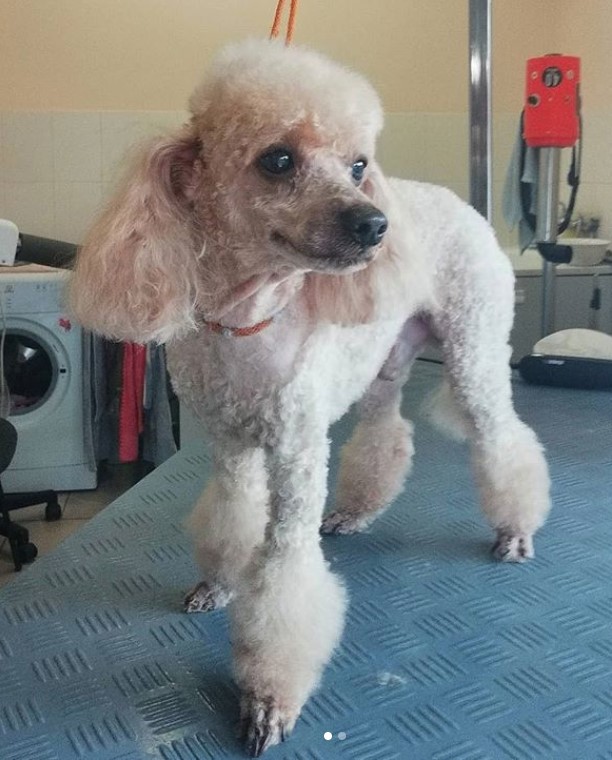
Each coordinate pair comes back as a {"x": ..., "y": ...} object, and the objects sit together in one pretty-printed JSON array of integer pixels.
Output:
[{"x": 586, "y": 252}]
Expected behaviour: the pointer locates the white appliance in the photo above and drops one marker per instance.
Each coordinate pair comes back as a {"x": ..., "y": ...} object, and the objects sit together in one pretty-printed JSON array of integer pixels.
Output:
[
  {"x": 42, "y": 364},
  {"x": 9, "y": 240}
]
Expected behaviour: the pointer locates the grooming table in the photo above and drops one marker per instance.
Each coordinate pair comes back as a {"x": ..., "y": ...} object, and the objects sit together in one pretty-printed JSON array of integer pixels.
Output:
[{"x": 446, "y": 655}]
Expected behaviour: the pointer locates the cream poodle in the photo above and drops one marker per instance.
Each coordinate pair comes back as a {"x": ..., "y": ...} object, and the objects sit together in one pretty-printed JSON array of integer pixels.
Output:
[{"x": 289, "y": 279}]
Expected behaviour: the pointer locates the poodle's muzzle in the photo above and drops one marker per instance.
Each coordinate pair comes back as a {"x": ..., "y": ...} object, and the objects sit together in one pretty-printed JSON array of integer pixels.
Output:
[
  {"x": 365, "y": 224},
  {"x": 358, "y": 230},
  {"x": 340, "y": 241}
]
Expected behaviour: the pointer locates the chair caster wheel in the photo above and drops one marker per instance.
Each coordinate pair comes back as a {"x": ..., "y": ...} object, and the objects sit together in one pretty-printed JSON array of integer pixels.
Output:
[
  {"x": 27, "y": 553},
  {"x": 20, "y": 534},
  {"x": 53, "y": 511}
]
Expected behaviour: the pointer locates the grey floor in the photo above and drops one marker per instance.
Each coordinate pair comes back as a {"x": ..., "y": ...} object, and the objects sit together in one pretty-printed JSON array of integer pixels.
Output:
[{"x": 78, "y": 507}]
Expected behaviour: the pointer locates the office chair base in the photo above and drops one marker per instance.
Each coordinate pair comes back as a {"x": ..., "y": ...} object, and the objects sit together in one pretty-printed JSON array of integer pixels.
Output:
[
  {"x": 23, "y": 554},
  {"x": 53, "y": 510},
  {"x": 23, "y": 550}
]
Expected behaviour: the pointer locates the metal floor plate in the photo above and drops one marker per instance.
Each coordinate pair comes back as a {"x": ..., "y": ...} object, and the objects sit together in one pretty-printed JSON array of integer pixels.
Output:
[{"x": 446, "y": 655}]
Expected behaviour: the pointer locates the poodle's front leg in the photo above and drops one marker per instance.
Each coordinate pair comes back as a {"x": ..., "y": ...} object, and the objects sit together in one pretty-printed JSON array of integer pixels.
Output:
[
  {"x": 227, "y": 522},
  {"x": 289, "y": 612}
]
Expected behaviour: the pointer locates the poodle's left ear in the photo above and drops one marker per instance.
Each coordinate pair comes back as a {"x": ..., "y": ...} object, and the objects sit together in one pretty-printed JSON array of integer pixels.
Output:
[
  {"x": 376, "y": 187},
  {"x": 379, "y": 290},
  {"x": 380, "y": 191},
  {"x": 400, "y": 276},
  {"x": 136, "y": 275}
]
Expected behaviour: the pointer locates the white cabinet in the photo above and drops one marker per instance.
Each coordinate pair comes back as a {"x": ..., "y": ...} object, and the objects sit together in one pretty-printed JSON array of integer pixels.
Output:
[{"x": 574, "y": 294}]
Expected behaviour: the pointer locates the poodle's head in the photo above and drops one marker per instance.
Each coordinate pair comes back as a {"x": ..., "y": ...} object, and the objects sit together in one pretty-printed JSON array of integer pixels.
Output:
[
  {"x": 287, "y": 147},
  {"x": 274, "y": 171}
]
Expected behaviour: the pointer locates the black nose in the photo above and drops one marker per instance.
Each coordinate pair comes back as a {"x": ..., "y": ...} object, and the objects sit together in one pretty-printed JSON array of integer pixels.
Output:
[{"x": 365, "y": 224}]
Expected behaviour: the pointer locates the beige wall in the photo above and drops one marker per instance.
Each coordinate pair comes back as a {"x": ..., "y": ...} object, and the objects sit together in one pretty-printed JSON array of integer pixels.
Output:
[
  {"x": 585, "y": 29},
  {"x": 80, "y": 80},
  {"x": 148, "y": 54}
]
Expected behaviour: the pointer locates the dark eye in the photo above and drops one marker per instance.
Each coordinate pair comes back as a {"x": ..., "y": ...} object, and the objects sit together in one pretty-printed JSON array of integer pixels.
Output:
[
  {"x": 276, "y": 161},
  {"x": 358, "y": 168}
]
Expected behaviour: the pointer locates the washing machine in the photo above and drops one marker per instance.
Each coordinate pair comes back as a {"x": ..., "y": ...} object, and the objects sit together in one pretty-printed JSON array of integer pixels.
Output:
[{"x": 43, "y": 389}]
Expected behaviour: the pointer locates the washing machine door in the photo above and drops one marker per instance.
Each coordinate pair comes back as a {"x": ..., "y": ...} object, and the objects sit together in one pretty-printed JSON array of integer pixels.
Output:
[
  {"x": 29, "y": 372},
  {"x": 43, "y": 381},
  {"x": 33, "y": 373}
]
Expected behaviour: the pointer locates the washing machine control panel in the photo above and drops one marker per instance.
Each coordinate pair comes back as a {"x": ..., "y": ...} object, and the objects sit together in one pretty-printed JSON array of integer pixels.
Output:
[{"x": 33, "y": 293}]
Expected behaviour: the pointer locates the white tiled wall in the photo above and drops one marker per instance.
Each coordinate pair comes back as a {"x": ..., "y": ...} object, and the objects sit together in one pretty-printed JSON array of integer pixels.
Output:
[{"x": 57, "y": 168}]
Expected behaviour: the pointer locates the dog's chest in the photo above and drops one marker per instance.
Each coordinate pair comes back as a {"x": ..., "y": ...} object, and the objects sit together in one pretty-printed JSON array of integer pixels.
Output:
[
  {"x": 253, "y": 388},
  {"x": 344, "y": 362},
  {"x": 233, "y": 383}
]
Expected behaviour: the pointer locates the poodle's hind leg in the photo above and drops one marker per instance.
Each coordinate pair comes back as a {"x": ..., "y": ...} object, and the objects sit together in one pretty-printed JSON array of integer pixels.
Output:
[
  {"x": 227, "y": 523},
  {"x": 376, "y": 461},
  {"x": 512, "y": 475},
  {"x": 508, "y": 459}
]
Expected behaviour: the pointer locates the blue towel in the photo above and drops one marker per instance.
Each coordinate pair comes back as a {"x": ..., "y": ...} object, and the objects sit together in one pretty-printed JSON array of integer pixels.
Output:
[{"x": 512, "y": 206}]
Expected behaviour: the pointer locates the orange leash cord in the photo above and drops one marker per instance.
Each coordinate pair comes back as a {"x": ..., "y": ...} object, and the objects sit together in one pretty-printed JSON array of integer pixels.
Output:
[{"x": 274, "y": 32}]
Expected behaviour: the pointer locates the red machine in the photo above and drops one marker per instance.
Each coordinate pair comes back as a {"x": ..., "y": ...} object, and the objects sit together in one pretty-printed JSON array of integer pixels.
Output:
[
  {"x": 551, "y": 122},
  {"x": 552, "y": 101}
]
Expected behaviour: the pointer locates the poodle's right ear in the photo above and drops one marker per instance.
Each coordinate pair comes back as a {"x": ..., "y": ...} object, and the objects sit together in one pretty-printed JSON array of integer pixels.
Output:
[{"x": 136, "y": 275}]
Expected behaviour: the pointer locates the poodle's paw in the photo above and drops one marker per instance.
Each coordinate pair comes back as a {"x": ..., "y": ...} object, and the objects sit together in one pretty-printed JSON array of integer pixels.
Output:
[
  {"x": 263, "y": 723},
  {"x": 343, "y": 523},
  {"x": 205, "y": 598},
  {"x": 512, "y": 547}
]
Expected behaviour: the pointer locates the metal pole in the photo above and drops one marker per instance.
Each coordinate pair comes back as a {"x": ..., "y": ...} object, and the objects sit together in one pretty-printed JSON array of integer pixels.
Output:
[
  {"x": 480, "y": 106},
  {"x": 546, "y": 231},
  {"x": 548, "y": 195}
]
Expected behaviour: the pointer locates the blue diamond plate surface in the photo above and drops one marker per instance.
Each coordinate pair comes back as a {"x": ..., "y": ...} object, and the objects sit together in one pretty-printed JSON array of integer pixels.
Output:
[{"x": 446, "y": 655}]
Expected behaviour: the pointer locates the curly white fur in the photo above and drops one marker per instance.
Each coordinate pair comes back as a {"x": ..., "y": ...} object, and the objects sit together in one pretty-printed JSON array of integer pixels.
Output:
[{"x": 200, "y": 233}]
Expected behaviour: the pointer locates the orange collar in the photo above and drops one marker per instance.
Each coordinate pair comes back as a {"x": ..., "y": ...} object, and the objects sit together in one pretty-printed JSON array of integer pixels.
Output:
[{"x": 239, "y": 332}]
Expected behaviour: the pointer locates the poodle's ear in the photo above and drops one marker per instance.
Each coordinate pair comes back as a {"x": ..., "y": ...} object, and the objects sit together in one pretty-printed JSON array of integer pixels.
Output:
[
  {"x": 369, "y": 293},
  {"x": 136, "y": 275},
  {"x": 401, "y": 263},
  {"x": 380, "y": 192},
  {"x": 375, "y": 186},
  {"x": 392, "y": 286}
]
